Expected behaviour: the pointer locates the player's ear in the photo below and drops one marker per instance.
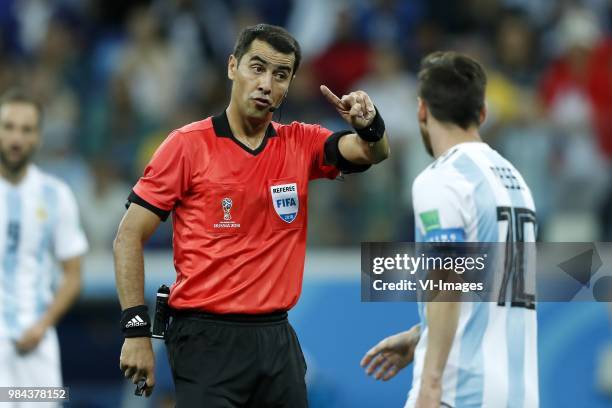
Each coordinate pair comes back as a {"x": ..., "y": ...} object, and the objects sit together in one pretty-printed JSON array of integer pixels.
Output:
[
  {"x": 421, "y": 111},
  {"x": 232, "y": 65},
  {"x": 483, "y": 115}
]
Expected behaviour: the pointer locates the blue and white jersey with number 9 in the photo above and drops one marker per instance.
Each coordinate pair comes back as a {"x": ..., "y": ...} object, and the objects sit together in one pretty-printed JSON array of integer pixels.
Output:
[
  {"x": 39, "y": 226},
  {"x": 472, "y": 194}
]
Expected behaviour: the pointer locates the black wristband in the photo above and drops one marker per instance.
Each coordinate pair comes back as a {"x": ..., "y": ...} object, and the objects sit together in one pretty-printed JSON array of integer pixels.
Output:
[
  {"x": 135, "y": 322},
  {"x": 374, "y": 131}
]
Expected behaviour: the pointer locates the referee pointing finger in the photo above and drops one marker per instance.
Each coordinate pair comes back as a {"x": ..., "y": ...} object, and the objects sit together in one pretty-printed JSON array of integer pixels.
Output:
[{"x": 237, "y": 187}]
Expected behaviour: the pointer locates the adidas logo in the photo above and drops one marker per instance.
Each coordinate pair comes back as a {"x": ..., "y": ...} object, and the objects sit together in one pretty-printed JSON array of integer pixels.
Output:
[{"x": 135, "y": 322}]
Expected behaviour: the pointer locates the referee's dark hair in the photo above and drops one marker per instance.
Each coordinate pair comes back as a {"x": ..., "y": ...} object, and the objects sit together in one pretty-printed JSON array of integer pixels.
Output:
[
  {"x": 452, "y": 86},
  {"x": 20, "y": 95},
  {"x": 276, "y": 36}
]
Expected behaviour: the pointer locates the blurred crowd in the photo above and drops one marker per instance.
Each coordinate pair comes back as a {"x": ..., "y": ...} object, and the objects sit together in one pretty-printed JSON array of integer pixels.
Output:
[{"x": 115, "y": 77}]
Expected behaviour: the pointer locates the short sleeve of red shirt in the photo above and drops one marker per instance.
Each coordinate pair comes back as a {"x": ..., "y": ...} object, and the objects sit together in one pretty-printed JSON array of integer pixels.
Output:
[
  {"x": 316, "y": 136},
  {"x": 167, "y": 176}
]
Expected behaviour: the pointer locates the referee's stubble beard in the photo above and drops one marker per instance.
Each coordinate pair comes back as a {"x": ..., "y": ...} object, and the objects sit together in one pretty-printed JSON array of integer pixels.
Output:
[{"x": 258, "y": 86}]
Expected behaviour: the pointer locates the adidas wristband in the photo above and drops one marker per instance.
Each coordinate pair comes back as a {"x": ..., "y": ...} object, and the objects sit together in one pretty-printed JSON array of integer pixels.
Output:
[
  {"x": 374, "y": 131},
  {"x": 135, "y": 322}
]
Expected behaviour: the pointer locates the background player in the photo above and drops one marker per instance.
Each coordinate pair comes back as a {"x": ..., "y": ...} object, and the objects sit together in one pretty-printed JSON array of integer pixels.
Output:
[
  {"x": 237, "y": 185},
  {"x": 39, "y": 226},
  {"x": 466, "y": 354}
]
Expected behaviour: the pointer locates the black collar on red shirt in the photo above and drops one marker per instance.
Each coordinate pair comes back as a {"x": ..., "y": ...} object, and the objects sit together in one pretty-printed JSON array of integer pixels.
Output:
[{"x": 223, "y": 129}]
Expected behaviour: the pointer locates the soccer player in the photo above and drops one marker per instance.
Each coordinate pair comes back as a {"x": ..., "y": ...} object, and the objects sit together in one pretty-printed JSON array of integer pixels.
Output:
[
  {"x": 237, "y": 185},
  {"x": 479, "y": 354},
  {"x": 39, "y": 226}
]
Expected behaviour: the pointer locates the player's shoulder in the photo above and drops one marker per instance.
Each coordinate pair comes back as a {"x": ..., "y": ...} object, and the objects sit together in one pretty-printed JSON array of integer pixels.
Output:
[
  {"x": 462, "y": 164},
  {"x": 51, "y": 182},
  {"x": 441, "y": 184},
  {"x": 441, "y": 174}
]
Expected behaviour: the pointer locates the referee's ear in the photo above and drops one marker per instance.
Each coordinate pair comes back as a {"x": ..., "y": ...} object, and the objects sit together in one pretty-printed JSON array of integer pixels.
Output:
[{"x": 232, "y": 63}]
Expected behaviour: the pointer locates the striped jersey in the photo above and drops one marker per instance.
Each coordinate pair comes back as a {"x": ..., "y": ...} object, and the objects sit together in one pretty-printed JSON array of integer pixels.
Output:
[
  {"x": 472, "y": 194},
  {"x": 39, "y": 225}
]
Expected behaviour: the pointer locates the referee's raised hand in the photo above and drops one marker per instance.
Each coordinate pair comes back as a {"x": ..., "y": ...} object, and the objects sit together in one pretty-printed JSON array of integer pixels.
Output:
[
  {"x": 138, "y": 361},
  {"x": 355, "y": 108}
]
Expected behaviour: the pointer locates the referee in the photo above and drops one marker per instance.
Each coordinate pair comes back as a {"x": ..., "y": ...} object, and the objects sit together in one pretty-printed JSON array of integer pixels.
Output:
[{"x": 237, "y": 187}]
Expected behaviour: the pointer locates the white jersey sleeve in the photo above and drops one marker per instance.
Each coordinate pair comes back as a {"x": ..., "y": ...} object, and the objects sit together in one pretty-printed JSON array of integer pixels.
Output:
[
  {"x": 69, "y": 238},
  {"x": 442, "y": 207}
]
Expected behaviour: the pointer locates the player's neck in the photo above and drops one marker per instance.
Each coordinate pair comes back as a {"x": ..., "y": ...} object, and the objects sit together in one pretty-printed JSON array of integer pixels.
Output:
[
  {"x": 245, "y": 127},
  {"x": 13, "y": 177},
  {"x": 448, "y": 136}
]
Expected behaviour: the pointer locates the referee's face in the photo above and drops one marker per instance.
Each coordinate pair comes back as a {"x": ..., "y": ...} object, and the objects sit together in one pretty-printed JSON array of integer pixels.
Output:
[
  {"x": 260, "y": 79},
  {"x": 19, "y": 134}
]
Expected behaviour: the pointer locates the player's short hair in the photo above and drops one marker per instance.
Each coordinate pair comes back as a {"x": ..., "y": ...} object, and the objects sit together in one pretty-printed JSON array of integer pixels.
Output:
[
  {"x": 452, "y": 86},
  {"x": 276, "y": 36},
  {"x": 20, "y": 95}
]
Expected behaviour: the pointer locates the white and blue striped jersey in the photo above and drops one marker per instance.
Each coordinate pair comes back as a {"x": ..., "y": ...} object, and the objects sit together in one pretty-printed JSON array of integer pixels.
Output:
[
  {"x": 472, "y": 194},
  {"x": 39, "y": 225}
]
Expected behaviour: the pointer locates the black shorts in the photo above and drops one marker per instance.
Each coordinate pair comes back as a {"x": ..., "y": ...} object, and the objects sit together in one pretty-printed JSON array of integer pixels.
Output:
[{"x": 231, "y": 361}]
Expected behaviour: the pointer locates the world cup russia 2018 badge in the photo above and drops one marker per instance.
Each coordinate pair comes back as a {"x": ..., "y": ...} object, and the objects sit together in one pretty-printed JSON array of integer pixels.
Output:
[
  {"x": 285, "y": 201},
  {"x": 228, "y": 222},
  {"x": 226, "y": 204}
]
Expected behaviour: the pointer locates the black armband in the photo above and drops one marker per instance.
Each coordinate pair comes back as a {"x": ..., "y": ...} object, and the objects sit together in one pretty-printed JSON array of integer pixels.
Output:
[
  {"x": 135, "y": 322},
  {"x": 134, "y": 198},
  {"x": 332, "y": 155},
  {"x": 374, "y": 131}
]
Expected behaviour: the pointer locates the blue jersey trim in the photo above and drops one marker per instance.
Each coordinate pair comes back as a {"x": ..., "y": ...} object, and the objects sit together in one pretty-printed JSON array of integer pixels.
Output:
[
  {"x": 9, "y": 264},
  {"x": 445, "y": 235},
  {"x": 470, "y": 382},
  {"x": 50, "y": 196}
]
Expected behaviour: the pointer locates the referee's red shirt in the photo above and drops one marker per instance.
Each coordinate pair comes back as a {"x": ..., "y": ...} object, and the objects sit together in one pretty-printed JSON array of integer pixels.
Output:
[{"x": 239, "y": 215}]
